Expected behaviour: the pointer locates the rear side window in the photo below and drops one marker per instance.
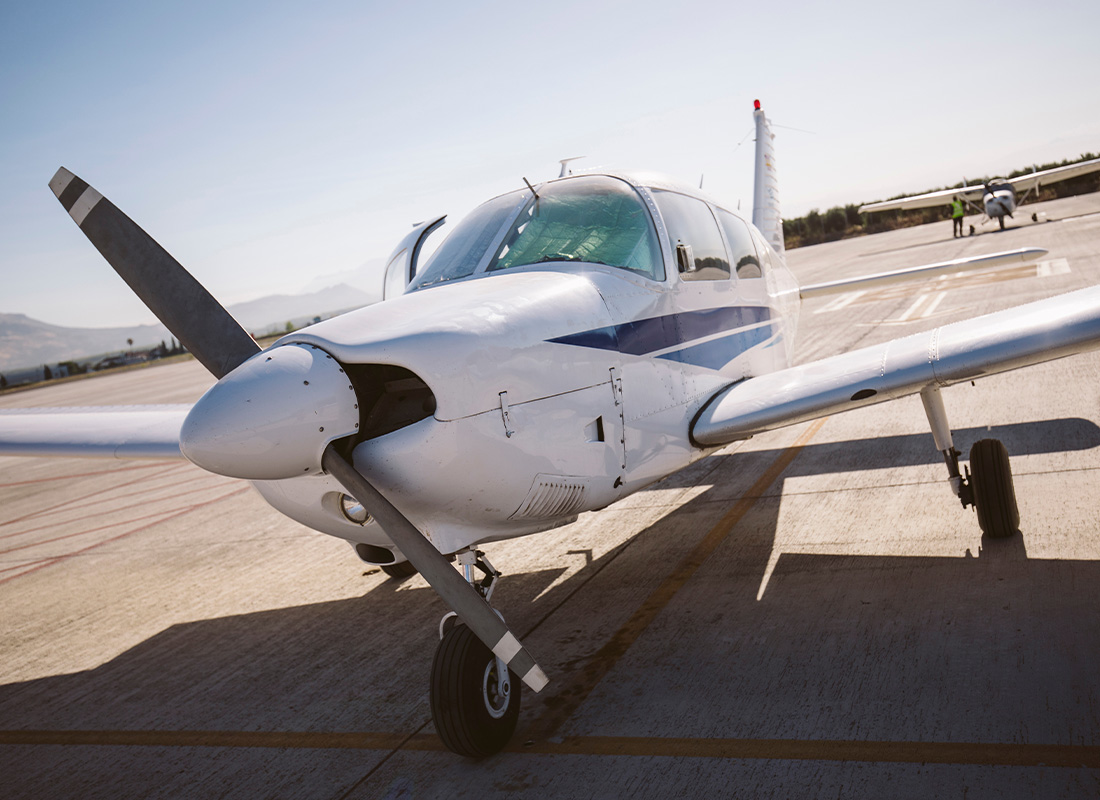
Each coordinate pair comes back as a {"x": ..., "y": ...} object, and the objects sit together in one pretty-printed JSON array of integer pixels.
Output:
[
  {"x": 690, "y": 222},
  {"x": 746, "y": 263}
]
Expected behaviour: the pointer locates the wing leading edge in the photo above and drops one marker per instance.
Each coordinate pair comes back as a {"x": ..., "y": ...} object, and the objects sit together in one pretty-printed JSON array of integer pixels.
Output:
[
  {"x": 1016, "y": 337},
  {"x": 101, "y": 432}
]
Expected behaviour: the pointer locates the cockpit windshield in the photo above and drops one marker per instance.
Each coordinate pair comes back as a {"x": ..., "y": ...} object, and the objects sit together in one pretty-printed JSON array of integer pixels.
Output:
[{"x": 593, "y": 219}]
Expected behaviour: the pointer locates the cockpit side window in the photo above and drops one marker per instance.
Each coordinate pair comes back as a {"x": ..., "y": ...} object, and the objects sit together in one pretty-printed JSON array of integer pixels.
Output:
[
  {"x": 593, "y": 219},
  {"x": 690, "y": 222},
  {"x": 746, "y": 262},
  {"x": 461, "y": 252}
]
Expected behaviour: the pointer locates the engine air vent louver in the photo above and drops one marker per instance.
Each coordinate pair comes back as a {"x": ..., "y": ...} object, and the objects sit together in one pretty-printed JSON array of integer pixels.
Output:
[{"x": 553, "y": 496}]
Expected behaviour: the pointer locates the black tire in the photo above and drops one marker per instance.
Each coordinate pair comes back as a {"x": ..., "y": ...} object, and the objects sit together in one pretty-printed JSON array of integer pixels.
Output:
[
  {"x": 404, "y": 569},
  {"x": 993, "y": 492},
  {"x": 463, "y": 692},
  {"x": 1002, "y": 221}
]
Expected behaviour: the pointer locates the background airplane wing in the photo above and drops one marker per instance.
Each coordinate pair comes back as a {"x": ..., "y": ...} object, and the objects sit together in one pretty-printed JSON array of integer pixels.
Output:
[
  {"x": 105, "y": 432},
  {"x": 1025, "y": 183},
  {"x": 969, "y": 194},
  {"x": 962, "y": 351}
]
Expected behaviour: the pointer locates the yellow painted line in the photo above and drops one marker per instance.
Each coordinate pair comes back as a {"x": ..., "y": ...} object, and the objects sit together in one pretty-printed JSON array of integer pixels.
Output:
[
  {"x": 571, "y": 694},
  {"x": 988, "y": 754},
  {"x": 993, "y": 753},
  {"x": 294, "y": 740}
]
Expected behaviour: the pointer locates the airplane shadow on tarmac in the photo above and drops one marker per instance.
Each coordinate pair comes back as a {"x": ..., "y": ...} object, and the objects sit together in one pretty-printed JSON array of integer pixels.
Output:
[{"x": 992, "y": 647}]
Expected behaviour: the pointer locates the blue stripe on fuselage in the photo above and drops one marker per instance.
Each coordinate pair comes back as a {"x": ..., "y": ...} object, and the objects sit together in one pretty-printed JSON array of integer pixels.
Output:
[
  {"x": 642, "y": 337},
  {"x": 716, "y": 353}
]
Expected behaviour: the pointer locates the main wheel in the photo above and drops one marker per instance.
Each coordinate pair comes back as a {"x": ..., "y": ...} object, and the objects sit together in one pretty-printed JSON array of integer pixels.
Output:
[
  {"x": 471, "y": 715},
  {"x": 404, "y": 569},
  {"x": 994, "y": 494}
]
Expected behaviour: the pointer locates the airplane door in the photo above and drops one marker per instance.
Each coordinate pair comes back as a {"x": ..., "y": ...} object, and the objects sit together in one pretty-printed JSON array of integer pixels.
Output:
[{"x": 401, "y": 265}]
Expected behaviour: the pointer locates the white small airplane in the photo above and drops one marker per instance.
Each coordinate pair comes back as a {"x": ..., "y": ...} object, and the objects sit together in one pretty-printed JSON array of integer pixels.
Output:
[
  {"x": 999, "y": 196},
  {"x": 568, "y": 344}
]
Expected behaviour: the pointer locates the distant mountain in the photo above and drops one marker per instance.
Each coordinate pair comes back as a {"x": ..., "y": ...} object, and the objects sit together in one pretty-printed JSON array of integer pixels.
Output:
[
  {"x": 261, "y": 315},
  {"x": 367, "y": 277},
  {"x": 26, "y": 342}
]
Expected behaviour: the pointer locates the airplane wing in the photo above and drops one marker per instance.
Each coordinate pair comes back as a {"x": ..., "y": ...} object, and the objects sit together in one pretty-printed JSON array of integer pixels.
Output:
[
  {"x": 1025, "y": 183},
  {"x": 968, "y": 194},
  {"x": 962, "y": 351},
  {"x": 103, "y": 431}
]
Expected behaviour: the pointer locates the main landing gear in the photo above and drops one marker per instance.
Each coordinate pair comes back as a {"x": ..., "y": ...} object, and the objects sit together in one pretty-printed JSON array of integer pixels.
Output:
[
  {"x": 987, "y": 484},
  {"x": 475, "y": 698}
]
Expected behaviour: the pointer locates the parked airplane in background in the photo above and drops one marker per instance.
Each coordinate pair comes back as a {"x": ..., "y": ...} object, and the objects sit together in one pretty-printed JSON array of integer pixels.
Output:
[
  {"x": 569, "y": 343},
  {"x": 999, "y": 196}
]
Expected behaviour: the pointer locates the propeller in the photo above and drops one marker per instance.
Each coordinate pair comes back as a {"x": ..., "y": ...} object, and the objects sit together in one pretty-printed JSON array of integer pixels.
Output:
[
  {"x": 194, "y": 317},
  {"x": 260, "y": 420}
]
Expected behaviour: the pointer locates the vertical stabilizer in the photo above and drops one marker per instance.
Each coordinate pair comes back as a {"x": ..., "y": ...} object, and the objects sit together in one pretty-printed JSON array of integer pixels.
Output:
[{"x": 765, "y": 197}]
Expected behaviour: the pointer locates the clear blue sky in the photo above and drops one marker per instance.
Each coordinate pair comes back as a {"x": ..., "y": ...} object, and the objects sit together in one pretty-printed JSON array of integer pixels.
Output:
[{"x": 265, "y": 144}]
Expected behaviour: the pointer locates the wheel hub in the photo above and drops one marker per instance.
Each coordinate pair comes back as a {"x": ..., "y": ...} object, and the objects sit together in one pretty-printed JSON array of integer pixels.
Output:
[{"x": 494, "y": 692}]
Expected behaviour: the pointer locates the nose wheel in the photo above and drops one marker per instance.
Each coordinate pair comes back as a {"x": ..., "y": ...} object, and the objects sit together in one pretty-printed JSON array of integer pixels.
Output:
[
  {"x": 475, "y": 703},
  {"x": 475, "y": 698}
]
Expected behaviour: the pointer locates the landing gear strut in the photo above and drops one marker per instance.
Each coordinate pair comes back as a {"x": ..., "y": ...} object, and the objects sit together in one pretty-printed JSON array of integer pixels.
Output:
[
  {"x": 987, "y": 484},
  {"x": 475, "y": 698}
]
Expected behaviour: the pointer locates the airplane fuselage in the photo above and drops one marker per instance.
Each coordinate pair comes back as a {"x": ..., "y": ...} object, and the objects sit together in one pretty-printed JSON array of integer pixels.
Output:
[
  {"x": 516, "y": 398},
  {"x": 999, "y": 199}
]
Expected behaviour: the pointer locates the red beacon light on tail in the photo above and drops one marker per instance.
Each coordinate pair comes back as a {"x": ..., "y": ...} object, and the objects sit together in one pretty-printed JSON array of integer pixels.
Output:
[{"x": 756, "y": 104}]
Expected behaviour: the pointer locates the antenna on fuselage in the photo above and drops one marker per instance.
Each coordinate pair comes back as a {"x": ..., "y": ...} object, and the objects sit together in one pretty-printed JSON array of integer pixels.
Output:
[
  {"x": 565, "y": 166},
  {"x": 532, "y": 188}
]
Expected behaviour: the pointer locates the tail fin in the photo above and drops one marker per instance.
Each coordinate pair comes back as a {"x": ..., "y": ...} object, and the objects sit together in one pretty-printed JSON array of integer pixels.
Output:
[{"x": 765, "y": 202}]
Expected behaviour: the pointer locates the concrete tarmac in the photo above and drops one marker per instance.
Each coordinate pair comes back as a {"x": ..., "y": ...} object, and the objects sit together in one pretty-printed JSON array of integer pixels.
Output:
[{"x": 806, "y": 614}]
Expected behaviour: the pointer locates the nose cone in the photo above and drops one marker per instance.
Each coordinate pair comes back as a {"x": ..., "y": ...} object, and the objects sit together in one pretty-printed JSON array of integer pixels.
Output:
[{"x": 272, "y": 416}]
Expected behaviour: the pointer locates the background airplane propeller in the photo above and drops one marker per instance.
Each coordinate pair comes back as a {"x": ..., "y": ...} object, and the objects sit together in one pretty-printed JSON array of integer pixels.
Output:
[{"x": 218, "y": 341}]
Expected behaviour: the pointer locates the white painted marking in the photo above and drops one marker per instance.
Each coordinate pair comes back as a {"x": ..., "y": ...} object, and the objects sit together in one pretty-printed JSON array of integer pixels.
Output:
[
  {"x": 535, "y": 678},
  {"x": 913, "y": 308},
  {"x": 842, "y": 301},
  {"x": 1056, "y": 266},
  {"x": 85, "y": 204},
  {"x": 507, "y": 647},
  {"x": 60, "y": 181},
  {"x": 934, "y": 304}
]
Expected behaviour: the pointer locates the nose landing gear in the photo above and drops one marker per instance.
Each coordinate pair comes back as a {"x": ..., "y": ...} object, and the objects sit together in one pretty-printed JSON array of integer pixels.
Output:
[{"x": 475, "y": 698}]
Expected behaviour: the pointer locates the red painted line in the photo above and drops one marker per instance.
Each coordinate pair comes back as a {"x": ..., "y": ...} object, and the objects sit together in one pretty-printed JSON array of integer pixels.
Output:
[
  {"x": 97, "y": 494},
  {"x": 101, "y": 527},
  {"x": 79, "y": 475},
  {"x": 35, "y": 566},
  {"x": 83, "y": 509}
]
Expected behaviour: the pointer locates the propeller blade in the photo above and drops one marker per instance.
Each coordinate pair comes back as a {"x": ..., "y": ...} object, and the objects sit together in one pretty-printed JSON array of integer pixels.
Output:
[
  {"x": 200, "y": 322},
  {"x": 437, "y": 571}
]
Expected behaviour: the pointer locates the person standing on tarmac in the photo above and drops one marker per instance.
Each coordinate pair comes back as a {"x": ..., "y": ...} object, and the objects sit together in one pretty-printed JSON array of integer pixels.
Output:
[{"x": 956, "y": 217}]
